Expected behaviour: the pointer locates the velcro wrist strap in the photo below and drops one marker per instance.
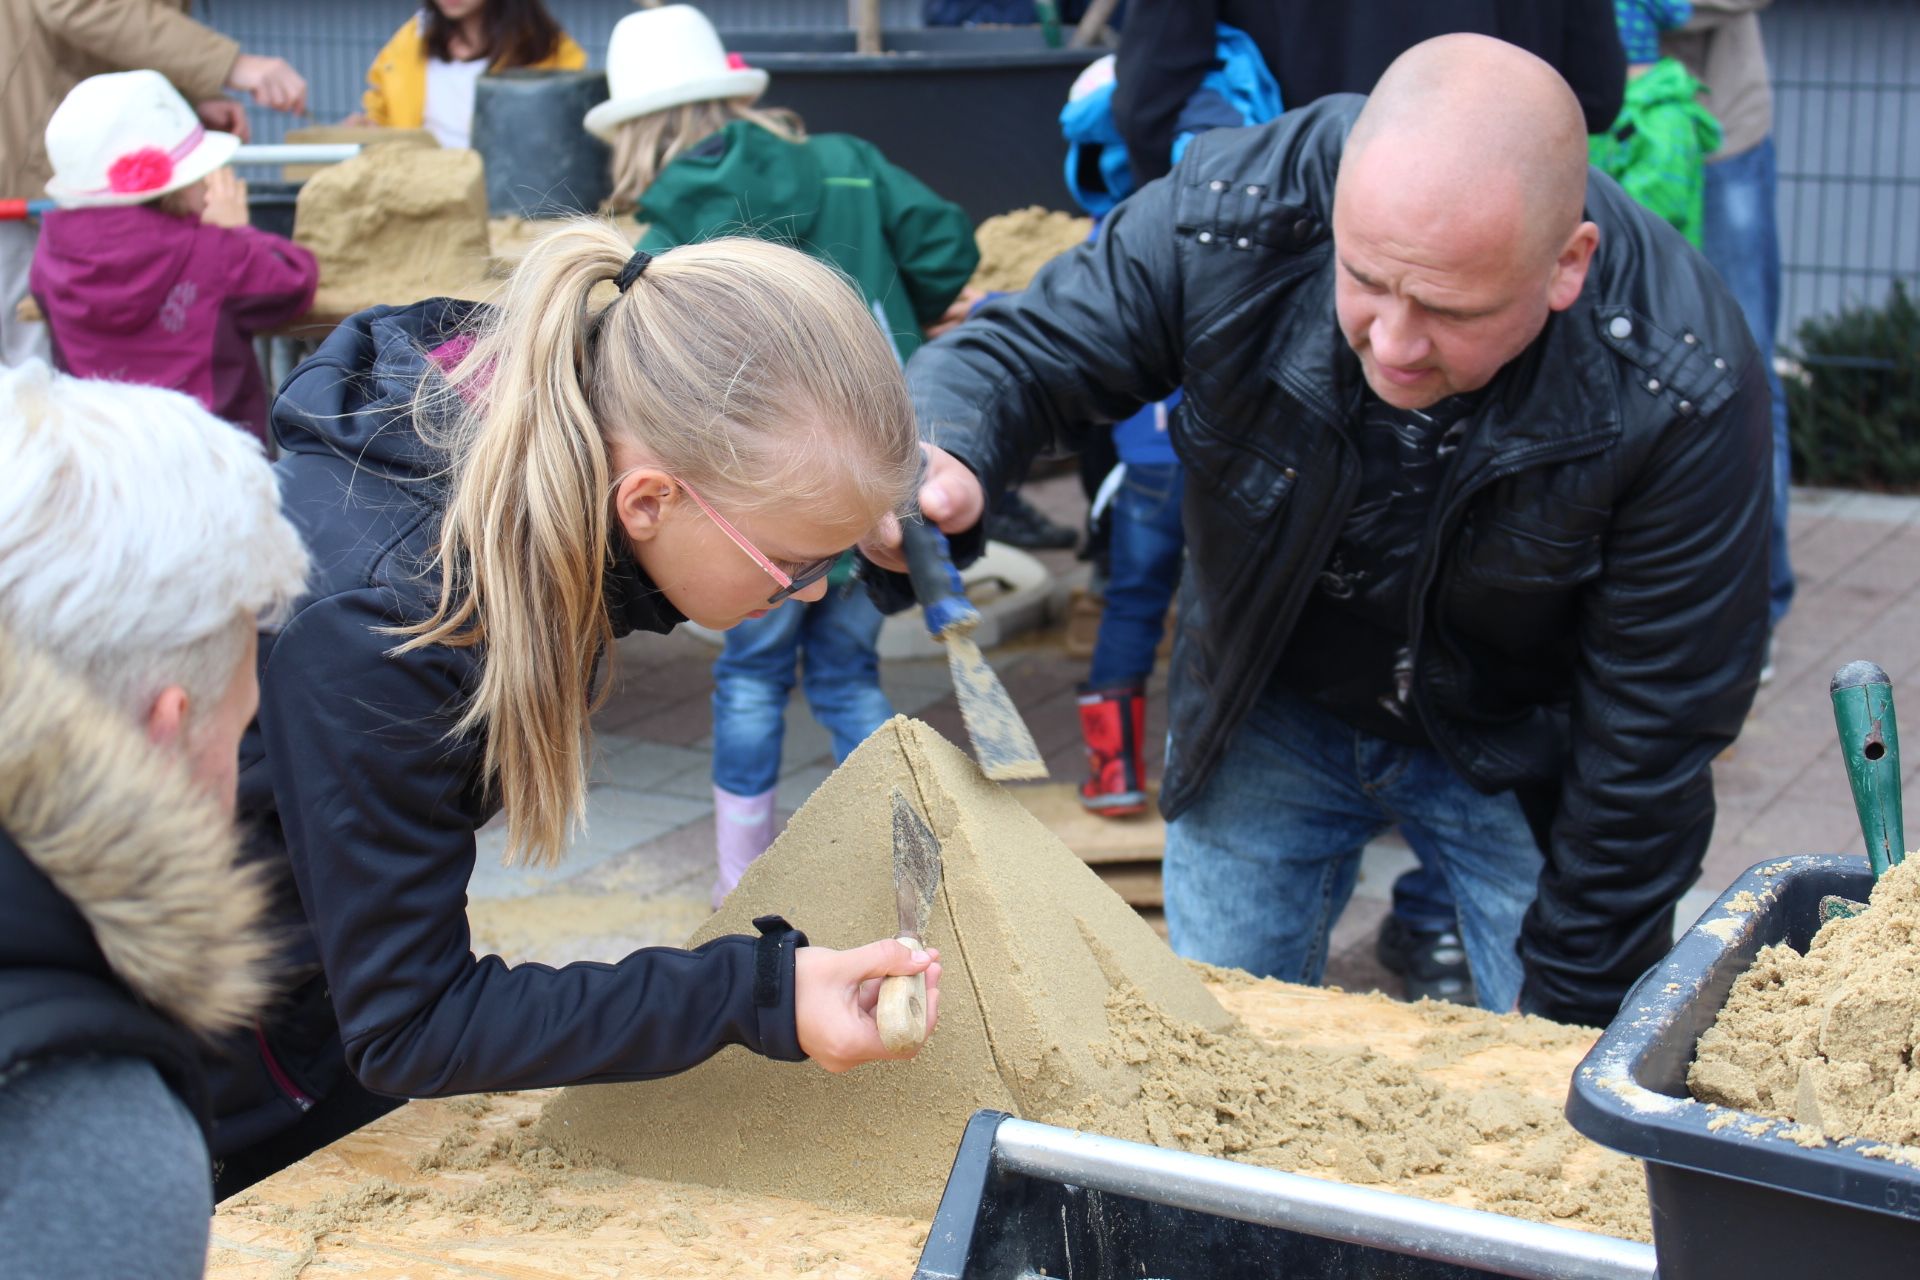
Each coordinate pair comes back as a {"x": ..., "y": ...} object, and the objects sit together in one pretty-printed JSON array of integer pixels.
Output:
[{"x": 769, "y": 963}]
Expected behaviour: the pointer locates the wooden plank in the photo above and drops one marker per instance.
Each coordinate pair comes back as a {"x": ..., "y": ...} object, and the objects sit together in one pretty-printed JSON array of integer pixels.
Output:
[
  {"x": 1093, "y": 838},
  {"x": 1136, "y": 882},
  {"x": 453, "y": 1189}
]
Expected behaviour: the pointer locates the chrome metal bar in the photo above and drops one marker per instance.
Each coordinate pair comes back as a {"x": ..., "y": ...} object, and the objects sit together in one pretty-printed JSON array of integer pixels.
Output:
[
  {"x": 296, "y": 153},
  {"x": 1329, "y": 1210}
]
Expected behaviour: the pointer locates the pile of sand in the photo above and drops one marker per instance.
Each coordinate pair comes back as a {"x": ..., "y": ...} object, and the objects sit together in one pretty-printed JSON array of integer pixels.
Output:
[
  {"x": 1060, "y": 1005},
  {"x": 1830, "y": 1039},
  {"x": 397, "y": 222},
  {"x": 1015, "y": 245}
]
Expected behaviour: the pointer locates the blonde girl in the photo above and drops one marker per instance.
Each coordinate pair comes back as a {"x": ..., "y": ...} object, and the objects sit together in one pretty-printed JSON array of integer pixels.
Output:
[{"x": 492, "y": 496}]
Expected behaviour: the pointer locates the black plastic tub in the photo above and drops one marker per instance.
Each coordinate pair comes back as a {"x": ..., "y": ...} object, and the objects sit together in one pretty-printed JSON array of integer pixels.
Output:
[
  {"x": 540, "y": 160},
  {"x": 973, "y": 113},
  {"x": 1027, "y": 1200},
  {"x": 1727, "y": 1202},
  {"x": 270, "y": 206}
]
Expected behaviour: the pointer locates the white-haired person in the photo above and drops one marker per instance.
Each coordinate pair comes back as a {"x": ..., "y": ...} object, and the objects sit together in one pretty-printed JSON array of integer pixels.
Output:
[
  {"x": 493, "y": 495},
  {"x": 141, "y": 545}
]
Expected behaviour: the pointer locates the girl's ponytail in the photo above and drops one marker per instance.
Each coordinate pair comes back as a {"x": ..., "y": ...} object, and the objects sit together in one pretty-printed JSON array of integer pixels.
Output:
[
  {"x": 749, "y": 370},
  {"x": 523, "y": 550}
]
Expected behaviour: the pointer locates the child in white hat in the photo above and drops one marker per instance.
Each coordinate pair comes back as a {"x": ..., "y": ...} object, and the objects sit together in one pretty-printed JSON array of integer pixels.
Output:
[
  {"x": 147, "y": 272},
  {"x": 700, "y": 160}
]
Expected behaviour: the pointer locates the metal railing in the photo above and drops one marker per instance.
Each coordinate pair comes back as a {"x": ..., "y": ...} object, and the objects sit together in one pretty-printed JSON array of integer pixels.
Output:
[{"x": 1846, "y": 77}]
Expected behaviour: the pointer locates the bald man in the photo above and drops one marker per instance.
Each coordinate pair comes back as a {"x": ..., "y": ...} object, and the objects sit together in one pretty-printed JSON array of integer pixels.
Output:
[{"x": 1478, "y": 473}]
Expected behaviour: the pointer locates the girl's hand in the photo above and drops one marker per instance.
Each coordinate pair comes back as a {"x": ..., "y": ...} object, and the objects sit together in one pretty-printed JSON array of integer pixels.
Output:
[
  {"x": 961, "y": 308},
  {"x": 950, "y": 496},
  {"x": 834, "y": 994},
  {"x": 226, "y": 200}
]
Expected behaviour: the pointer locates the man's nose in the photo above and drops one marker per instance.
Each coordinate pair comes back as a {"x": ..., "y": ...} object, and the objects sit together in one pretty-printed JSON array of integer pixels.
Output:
[
  {"x": 1397, "y": 339},
  {"x": 811, "y": 593}
]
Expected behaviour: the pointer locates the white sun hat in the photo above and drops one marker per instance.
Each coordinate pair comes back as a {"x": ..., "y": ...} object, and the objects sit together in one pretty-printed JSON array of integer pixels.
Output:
[
  {"x": 666, "y": 57},
  {"x": 128, "y": 137}
]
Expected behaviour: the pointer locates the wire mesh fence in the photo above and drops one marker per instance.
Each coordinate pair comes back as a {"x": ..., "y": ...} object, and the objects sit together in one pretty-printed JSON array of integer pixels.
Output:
[
  {"x": 332, "y": 43},
  {"x": 1846, "y": 77}
]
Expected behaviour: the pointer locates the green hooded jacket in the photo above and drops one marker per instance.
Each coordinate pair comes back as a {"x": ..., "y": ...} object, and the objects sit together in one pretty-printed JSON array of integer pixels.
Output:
[
  {"x": 835, "y": 197},
  {"x": 1658, "y": 147}
]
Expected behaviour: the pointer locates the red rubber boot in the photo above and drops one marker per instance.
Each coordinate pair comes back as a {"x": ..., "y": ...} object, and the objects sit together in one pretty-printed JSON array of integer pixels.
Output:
[{"x": 1114, "y": 723}]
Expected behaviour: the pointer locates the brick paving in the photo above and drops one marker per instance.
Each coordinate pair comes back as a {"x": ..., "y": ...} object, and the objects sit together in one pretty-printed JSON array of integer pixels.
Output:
[{"x": 1781, "y": 787}]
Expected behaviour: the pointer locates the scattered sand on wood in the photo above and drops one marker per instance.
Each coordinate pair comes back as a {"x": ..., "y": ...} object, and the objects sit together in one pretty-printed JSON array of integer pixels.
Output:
[
  {"x": 1015, "y": 245},
  {"x": 1831, "y": 1039},
  {"x": 562, "y": 926},
  {"x": 398, "y": 222},
  {"x": 1059, "y": 1004}
]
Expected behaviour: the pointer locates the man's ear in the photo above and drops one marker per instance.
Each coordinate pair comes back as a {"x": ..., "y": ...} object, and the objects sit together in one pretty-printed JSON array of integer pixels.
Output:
[
  {"x": 1570, "y": 267},
  {"x": 640, "y": 501},
  {"x": 167, "y": 719}
]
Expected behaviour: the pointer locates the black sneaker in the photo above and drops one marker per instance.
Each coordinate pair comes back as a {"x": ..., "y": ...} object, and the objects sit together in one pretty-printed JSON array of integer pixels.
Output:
[
  {"x": 1432, "y": 962},
  {"x": 1017, "y": 523}
]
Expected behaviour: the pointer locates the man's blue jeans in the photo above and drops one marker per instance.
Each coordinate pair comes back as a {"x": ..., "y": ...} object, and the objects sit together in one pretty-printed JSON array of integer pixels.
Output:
[
  {"x": 1262, "y": 864},
  {"x": 1143, "y": 572},
  {"x": 1741, "y": 238},
  {"x": 828, "y": 648}
]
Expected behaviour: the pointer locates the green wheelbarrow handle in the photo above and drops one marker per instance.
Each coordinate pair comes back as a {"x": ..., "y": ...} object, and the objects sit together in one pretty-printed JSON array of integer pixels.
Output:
[{"x": 1870, "y": 746}]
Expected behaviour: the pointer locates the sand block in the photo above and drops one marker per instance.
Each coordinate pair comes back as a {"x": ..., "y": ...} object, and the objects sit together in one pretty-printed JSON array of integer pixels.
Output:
[
  {"x": 398, "y": 222},
  {"x": 1032, "y": 945},
  {"x": 1014, "y": 246}
]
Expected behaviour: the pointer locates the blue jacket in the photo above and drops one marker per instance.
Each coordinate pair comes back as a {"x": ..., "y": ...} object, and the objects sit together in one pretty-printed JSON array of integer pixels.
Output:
[
  {"x": 1237, "y": 91},
  {"x": 370, "y": 809}
]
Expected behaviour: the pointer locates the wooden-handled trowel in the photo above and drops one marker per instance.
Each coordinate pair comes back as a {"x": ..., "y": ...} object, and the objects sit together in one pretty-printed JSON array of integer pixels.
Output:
[{"x": 901, "y": 1010}]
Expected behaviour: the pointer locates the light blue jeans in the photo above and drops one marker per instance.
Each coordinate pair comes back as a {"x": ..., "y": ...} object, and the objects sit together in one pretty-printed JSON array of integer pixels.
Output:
[
  {"x": 1741, "y": 238},
  {"x": 1144, "y": 556},
  {"x": 1262, "y": 864},
  {"x": 827, "y": 647}
]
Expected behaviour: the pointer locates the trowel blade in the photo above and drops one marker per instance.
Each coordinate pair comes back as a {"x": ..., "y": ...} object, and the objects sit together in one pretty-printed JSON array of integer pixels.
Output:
[
  {"x": 916, "y": 868},
  {"x": 1001, "y": 741}
]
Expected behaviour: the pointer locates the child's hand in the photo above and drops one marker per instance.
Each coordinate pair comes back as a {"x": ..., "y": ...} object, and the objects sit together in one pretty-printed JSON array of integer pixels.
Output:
[
  {"x": 962, "y": 307},
  {"x": 226, "y": 200},
  {"x": 950, "y": 496},
  {"x": 834, "y": 994}
]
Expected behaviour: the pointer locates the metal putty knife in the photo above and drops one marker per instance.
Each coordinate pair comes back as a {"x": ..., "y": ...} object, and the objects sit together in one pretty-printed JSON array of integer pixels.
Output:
[
  {"x": 901, "y": 1010},
  {"x": 1001, "y": 740}
]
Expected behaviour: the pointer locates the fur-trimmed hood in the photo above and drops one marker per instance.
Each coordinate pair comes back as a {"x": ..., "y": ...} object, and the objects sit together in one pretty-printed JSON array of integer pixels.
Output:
[{"x": 150, "y": 864}]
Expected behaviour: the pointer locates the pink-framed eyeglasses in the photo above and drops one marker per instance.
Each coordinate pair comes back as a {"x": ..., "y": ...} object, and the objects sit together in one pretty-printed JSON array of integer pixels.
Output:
[{"x": 803, "y": 575}]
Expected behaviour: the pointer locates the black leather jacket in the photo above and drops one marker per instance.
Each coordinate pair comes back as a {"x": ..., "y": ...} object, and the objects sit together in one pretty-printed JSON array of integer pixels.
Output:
[{"x": 1590, "y": 608}]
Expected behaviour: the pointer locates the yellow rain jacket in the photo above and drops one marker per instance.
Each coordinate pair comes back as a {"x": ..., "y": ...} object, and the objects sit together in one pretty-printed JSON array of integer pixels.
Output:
[{"x": 397, "y": 81}]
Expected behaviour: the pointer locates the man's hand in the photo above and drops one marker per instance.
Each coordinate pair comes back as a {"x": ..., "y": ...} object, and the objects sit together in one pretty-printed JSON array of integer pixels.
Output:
[
  {"x": 271, "y": 81},
  {"x": 226, "y": 115},
  {"x": 950, "y": 496},
  {"x": 226, "y": 200},
  {"x": 961, "y": 308},
  {"x": 834, "y": 993}
]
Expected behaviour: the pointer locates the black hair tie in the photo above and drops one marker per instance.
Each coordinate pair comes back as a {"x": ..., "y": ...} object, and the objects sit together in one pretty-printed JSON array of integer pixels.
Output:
[{"x": 632, "y": 271}]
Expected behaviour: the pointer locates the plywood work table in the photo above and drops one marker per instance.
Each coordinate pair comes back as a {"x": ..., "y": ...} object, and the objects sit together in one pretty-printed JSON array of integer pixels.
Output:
[{"x": 449, "y": 1189}]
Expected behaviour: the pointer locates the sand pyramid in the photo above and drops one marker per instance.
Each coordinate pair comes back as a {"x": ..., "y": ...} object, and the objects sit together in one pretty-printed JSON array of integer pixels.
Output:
[{"x": 1031, "y": 944}]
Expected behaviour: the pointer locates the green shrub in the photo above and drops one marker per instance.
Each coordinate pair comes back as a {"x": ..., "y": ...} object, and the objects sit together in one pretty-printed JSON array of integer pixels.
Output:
[{"x": 1853, "y": 416}]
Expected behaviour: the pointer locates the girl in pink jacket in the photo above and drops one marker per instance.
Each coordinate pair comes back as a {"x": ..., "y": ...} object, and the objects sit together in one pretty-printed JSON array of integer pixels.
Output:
[{"x": 147, "y": 271}]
